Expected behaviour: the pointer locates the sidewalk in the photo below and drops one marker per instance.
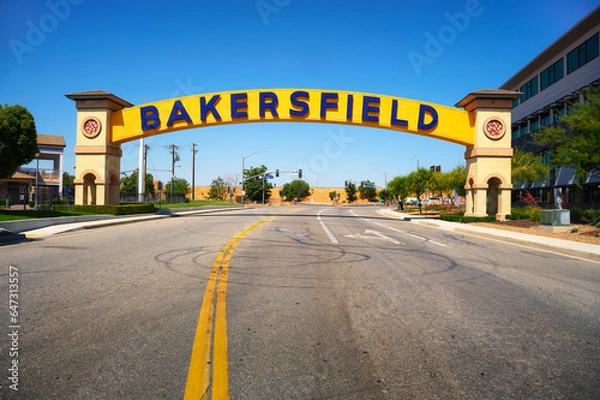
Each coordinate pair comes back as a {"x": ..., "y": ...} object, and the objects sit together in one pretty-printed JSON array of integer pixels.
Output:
[
  {"x": 584, "y": 250},
  {"x": 39, "y": 228}
]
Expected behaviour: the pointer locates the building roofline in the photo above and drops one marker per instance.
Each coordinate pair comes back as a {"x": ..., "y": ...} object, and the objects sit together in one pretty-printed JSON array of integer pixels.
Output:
[
  {"x": 555, "y": 49},
  {"x": 98, "y": 95}
]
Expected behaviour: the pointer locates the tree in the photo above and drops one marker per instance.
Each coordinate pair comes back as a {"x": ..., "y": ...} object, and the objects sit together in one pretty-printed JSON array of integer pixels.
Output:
[
  {"x": 440, "y": 183},
  {"x": 575, "y": 141},
  {"x": 254, "y": 186},
  {"x": 457, "y": 179},
  {"x": 18, "y": 139},
  {"x": 419, "y": 181},
  {"x": 297, "y": 189},
  {"x": 68, "y": 185},
  {"x": 527, "y": 168},
  {"x": 333, "y": 195},
  {"x": 218, "y": 189},
  {"x": 399, "y": 189},
  {"x": 351, "y": 192},
  {"x": 180, "y": 186},
  {"x": 129, "y": 183},
  {"x": 367, "y": 191}
]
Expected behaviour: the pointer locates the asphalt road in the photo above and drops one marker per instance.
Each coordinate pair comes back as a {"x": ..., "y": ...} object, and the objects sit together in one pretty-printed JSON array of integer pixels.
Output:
[{"x": 310, "y": 303}]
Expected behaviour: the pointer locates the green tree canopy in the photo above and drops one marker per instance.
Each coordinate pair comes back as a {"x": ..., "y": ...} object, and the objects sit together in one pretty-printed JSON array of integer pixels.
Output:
[
  {"x": 527, "y": 168},
  {"x": 297, "y": 189},
  {"x": 575, "y": 141},
  {"x": 457, "y": 179},
  {"x": 181, "y": 186},
  {"x": 67, "y": 179},
  {"x": 129, "y": 183},
  {"x": 367, "y": 190},
  {"x": 254, "y": 186},
  {"x": 218, "y": 189},
  {"x": 18, "y": 139},
  {"x": 419, "y": 181},
  {"x": 399, "y": 189},
  {"x": 351, "y": 192}
]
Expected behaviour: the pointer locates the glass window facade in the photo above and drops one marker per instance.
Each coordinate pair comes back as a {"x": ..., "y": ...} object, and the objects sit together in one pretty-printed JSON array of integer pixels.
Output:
[
  {"x": 529, "y": 89},
  {"x": 552, "y": 74},
  {"x": 583, "y": 54}
]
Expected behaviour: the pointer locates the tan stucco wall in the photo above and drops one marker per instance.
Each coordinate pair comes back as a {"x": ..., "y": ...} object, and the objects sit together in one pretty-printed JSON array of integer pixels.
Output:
[{"x": 318, "y": 195}]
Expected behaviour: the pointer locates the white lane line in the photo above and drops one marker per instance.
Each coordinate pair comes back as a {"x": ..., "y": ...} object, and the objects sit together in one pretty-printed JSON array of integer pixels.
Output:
[
  {"x": 327, "y": 231},
  {"x": 400, "y": 231}
]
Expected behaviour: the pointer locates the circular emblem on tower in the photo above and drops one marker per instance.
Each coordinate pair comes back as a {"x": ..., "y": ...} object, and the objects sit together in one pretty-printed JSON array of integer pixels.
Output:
[
  {"x": 91, "y": 127},
  {"x": 494, "y": 128}
]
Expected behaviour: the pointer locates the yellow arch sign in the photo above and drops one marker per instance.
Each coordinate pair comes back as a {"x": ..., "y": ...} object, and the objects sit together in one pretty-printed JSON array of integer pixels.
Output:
[{"x": 293, "y": 105}]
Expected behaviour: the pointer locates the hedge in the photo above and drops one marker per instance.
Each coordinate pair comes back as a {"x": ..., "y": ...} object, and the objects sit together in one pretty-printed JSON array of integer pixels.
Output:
[
  {"x": 465, "y": 220},
  {"x": 122, "y": 209}
]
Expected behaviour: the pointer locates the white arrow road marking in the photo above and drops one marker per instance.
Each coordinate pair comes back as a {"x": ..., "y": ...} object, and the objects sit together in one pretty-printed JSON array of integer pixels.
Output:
[
  {"x": 400, "y": 231},
  {"x": 374, "y": 235}
]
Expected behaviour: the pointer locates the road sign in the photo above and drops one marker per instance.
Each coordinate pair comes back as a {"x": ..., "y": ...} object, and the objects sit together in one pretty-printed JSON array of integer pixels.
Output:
[{"x": 269, "y": 176}]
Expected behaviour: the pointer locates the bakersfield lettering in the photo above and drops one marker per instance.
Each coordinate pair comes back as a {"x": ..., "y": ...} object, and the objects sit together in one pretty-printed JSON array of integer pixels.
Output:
[{"x": 299, "y": 108}]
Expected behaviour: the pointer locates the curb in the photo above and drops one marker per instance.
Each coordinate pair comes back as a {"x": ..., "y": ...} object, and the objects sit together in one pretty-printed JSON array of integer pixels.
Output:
[
  {"x": 100, "y": 223},
  {"x": 572, "y": 248}
]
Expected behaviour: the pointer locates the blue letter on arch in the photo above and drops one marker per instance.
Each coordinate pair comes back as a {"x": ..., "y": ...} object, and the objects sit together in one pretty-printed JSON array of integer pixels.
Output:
[
  {"x": 178, "y": 113},
  {"x": 423, "y": 110}
]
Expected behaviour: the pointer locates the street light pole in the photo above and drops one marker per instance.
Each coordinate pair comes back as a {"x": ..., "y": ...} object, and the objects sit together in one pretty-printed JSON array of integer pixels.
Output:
[
  {"x": 384, "y": 177},
  {"x": 417, "y": 157},
  {"x": 243, "y": 159},
  {"x": 385, "y": 183}
]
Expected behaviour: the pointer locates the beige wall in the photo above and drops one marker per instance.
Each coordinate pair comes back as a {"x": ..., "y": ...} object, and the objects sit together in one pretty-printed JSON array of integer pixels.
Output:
[{"x": 318, "y": 195}]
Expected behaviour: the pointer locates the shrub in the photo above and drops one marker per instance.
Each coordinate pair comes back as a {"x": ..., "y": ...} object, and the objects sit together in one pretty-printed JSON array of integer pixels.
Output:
[
  {"x": 529, "y": 212},
  {"x": 123, "y": 209},
  {"x": 465, "y": 220}
]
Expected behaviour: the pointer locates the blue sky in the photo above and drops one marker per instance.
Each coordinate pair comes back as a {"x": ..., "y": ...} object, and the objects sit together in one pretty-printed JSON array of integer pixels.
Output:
[{"x": 145, "y": 51}]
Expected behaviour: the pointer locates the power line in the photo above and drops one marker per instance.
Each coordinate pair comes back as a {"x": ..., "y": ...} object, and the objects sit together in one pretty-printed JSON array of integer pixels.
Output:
[{"x": 174, "y": 158}]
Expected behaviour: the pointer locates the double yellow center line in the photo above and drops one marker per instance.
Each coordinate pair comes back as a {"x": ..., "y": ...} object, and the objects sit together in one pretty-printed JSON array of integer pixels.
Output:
[{"x": 211, "y": 331}]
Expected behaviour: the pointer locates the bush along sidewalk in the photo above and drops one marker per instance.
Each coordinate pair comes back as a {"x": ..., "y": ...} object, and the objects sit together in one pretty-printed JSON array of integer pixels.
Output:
[
  {"x": 122, "y": 209},
  {"x": 465, "y": 220}
]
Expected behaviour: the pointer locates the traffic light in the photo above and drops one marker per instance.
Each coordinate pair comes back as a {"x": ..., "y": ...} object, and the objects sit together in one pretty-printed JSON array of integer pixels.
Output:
[
  {"x": 300, "y": 173},
  {"x": 345, "y": 183},
  {"x": 438, "y": 168},
  {"x": 277, "y": 173}
]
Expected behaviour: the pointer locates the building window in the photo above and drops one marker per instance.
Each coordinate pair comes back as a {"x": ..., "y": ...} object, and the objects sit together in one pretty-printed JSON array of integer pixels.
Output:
[
  {"x": 546, "y": 158},
  {"x": 559, "y": 113},
  {"x": 515, "y": 131},
  {"x": 515, "y": 102},
  {"x": 523, "y": 131},
  {"x": 552, "y": 74},
  {"x": 583, "y": 54},
  {"x": 535, "y": 125},
  {"x": 545, "y": 119},
  {"x": 529, "y": 89}
]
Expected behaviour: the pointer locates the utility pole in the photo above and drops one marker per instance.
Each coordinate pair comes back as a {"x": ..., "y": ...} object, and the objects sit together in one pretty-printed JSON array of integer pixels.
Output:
[
  {"x": 194, "y": 151},
  {"x": 174, "y": 157},
  {"x": 145, "y": 167}
]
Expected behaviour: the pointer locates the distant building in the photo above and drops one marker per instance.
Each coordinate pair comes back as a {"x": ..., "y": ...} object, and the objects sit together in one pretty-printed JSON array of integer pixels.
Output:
[
  {"x": 551, "y": 83},
  {"x": 49, "y": 180}
]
